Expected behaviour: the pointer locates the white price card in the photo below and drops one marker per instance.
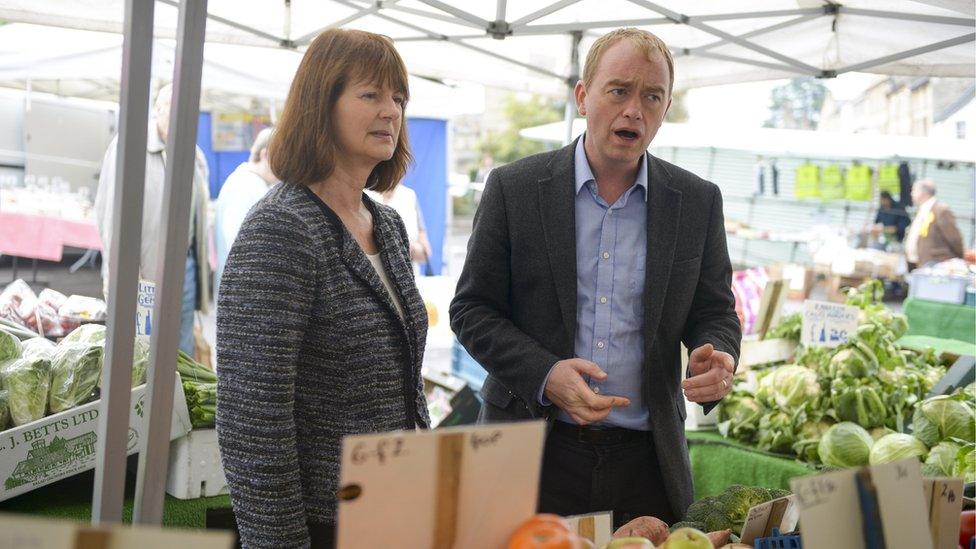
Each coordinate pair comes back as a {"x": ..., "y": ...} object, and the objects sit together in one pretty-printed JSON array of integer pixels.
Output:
[
  {"x": 450, "y": 488},
  {"x": 828, "y": 324}
]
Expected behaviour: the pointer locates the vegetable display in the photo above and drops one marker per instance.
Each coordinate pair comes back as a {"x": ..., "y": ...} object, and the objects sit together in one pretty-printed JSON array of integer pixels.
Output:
[
  {"x": 38, "y": 378},
  {"x": 834, "y": 406}
]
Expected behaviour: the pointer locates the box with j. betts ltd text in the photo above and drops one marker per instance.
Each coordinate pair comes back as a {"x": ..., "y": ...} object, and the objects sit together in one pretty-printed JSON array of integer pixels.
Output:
[{"x": 64, "y": 444}]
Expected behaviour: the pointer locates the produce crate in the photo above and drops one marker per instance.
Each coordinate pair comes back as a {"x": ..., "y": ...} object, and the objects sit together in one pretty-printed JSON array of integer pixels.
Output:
[
  {"x": 944, "y": 289},
  {"x": 779, "y": 541},
  {"x": 194, "y": 466},
  {"x": 64, "y": 444}
]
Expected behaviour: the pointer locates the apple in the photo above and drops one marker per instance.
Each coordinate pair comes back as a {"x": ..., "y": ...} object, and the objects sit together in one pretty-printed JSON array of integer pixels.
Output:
[
  {"x": 688, "y": 538},
  {"x": 630, "y": 543}
]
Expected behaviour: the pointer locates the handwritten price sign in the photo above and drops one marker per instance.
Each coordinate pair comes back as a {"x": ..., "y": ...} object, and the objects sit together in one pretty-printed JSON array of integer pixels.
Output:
[{"x": 828, "y": 324}]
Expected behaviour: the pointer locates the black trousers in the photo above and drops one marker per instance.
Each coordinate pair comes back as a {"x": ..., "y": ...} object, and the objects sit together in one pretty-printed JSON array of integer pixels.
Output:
[
  {"x": 322, "y": 535},
  {"x": 586, "y": 470}
]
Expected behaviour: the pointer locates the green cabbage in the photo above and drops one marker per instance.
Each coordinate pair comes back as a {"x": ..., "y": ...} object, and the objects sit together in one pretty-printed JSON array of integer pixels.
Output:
[
  {"x": 941, "y": 461},
  {"x": 942, "y": 417},
  {"x": 4, "y": 409},
  {"x": 9, "y": 346},
  {"x": 76, "y": 369},
  {"x": 858, "y": 402},
  {"x": 807, "y": 445},
  {"x": 27, "y": 381},
  {"x": 739, "y": 415},
  {"x": 856, "y": 361},
  {"x": 791, "y": 387},
  {"x": 89, "y": 334},
  {"x": 966, "y": 463},
  {"x": 776, "y": 432},
  {"x": 897, "y": 446},
  {"x": 37, "y": 347},
  {"x": 879, "y": 432},
  {"x": 140, "y": 360},
  {"x": 845, "y": 445}
]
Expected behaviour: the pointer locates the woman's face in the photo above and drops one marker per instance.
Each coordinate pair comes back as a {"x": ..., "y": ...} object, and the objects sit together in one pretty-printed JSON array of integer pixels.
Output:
[{"x": 368, "y": 117}]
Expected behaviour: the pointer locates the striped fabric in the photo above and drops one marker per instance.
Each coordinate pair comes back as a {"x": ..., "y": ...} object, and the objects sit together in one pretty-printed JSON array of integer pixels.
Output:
[{"x": 310, "y": 348}]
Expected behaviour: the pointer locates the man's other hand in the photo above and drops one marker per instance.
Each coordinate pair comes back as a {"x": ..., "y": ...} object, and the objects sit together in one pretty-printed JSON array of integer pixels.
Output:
[{"x": 711, "y": 375}]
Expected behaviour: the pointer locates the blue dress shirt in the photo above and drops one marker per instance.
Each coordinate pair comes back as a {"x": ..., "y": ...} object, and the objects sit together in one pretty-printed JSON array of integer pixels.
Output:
[{"x": 611, "y": 246}]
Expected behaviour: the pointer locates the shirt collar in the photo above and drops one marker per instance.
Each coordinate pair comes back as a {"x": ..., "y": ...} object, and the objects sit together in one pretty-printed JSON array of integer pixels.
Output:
[{"x": 584, "y": 174}]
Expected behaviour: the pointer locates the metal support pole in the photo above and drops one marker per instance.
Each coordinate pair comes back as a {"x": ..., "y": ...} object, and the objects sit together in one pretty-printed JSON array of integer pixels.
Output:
[
  {"x": 176, "y": 206},
  {"x": 574, "y": 75},
  {"x": 130, "y": 169}
]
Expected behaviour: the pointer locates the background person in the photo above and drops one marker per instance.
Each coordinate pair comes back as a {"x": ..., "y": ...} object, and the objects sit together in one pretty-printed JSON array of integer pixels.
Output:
[
  {"x": 933, "y": 235},
  {"x": 244, "y": 187},
  {"x": 196, "y": 282}
]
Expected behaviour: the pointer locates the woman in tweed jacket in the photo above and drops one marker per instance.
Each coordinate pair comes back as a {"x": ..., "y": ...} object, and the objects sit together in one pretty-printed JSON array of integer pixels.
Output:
[{"x": 320, "y": 328}]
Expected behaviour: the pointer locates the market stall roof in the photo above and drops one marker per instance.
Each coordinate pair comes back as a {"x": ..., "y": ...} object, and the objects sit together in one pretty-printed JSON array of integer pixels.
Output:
[
  {"x": 794, "y": 143},
  {"x": 527, "y": 45},
  {"x": 86, "y": 64}
]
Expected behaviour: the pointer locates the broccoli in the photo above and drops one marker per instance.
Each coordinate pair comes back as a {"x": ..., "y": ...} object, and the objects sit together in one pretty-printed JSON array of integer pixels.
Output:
[
  {"x": 699, "y": 510},
  {"x": 718, "y": 519},
  {"x": 700, "y": 526},
  {"x": 776, "y": 493}
]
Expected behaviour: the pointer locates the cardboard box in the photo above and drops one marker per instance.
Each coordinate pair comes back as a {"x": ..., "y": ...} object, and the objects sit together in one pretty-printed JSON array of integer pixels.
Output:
[
  {"x": 195, "y": 469},
  {"x": 61, "y": 445},
  {"x": 799, "y": 278},
  {"x": 450, "y": 400}
]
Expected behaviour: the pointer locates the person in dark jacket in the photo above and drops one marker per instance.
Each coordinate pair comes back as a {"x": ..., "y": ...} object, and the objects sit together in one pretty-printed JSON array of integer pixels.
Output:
[
  {"x": 320, "y": 328},
  {"x": 587, "y": 269},
  {"x": 892, "y": 219}
]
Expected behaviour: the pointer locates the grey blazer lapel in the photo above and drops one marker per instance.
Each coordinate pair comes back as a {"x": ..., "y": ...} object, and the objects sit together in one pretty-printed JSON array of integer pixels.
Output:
[
  {"x": 557, "y": 205},
  {"x": 663, "y": 214}
]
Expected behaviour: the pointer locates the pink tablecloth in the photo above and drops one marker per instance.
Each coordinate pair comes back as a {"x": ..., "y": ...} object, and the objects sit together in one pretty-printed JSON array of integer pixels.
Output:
[{"x": 43, "y": 237}]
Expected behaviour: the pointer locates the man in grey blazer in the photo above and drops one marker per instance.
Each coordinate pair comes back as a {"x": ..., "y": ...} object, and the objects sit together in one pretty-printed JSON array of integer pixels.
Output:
[{"x": 587, "y": 268}]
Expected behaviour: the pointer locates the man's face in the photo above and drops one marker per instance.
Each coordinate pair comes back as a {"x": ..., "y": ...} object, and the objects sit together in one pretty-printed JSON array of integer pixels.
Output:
[
  {"x": 161, "y": 110},
  {"x": 919, "y": 195},
  {"x": 624, "y": 104}
]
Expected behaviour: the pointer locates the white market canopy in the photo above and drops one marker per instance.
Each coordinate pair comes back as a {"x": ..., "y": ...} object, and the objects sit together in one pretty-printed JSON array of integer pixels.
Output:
[
  {"x": 794, "y": 143},
  {"x": 527, "y": 45}
]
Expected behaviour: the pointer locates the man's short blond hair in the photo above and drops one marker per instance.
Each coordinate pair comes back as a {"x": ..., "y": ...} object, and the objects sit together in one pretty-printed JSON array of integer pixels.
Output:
[{"x": 645, "y": 41}]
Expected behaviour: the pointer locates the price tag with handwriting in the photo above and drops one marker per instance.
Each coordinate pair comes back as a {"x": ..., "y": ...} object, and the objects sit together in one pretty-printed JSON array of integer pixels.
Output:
[
  {"x": 831, "y": 514},
  {"x": 830, "y": 517},
  {"x": 901, "y": 501},
  {"x": 828, "y": 324},
  {"x": 456, "y": 487}
]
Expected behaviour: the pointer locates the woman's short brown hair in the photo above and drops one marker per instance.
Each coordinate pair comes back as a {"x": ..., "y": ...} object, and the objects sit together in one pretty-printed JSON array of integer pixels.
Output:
[{"x": 304, "y": 147}]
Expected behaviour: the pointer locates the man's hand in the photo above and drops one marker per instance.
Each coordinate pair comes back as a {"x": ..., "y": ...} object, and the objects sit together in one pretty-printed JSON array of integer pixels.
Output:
[
  {"x": 711, "y": 375},
  {"x": 567, "y": 389}
]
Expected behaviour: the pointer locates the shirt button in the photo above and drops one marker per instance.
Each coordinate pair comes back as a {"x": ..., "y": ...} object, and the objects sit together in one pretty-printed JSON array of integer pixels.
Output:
[
  {"x": 603, "y": 300},
  {"x": 606, "y": 255},
  {"x": 596, "y": 390},
  {"x": 600, "y": 345}
]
